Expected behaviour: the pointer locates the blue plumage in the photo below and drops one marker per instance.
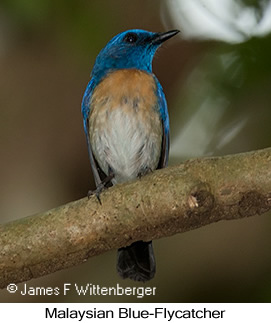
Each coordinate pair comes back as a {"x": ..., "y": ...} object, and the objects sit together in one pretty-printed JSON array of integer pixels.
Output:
[{"x": 127, "y": 125}]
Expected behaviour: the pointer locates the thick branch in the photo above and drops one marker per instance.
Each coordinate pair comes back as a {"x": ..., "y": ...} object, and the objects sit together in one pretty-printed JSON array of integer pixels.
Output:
[{"x": 172, "y": 200}]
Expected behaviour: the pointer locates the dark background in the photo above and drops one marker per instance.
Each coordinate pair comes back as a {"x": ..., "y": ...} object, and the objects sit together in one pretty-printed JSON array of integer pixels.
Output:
[{"x": 219, "y": 103}]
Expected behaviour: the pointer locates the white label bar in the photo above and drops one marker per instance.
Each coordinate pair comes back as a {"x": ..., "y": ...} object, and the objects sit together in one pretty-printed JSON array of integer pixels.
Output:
[{"x": 134, "y": 312}]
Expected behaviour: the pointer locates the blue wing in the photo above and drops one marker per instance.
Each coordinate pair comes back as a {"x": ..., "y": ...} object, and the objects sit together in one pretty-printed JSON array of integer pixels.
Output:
[
  {"x": 162, "y": 103},
  {"x": 85, "y": 108}
]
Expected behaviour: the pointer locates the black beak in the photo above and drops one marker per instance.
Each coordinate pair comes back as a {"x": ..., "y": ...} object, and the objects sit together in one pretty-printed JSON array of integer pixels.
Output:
[{"x": 159, "y": 38}]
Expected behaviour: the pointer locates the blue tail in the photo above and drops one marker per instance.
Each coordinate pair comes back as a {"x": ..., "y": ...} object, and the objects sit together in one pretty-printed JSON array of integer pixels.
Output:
[{"x": 136, "y": 261}]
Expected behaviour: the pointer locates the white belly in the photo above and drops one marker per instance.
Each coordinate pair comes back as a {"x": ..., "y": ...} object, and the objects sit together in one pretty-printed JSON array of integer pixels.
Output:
[{"x": 125, "y": 140}]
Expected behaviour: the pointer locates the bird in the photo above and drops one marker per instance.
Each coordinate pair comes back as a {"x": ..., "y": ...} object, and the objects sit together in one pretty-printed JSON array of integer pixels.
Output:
[{"x": 126, "y": 123}]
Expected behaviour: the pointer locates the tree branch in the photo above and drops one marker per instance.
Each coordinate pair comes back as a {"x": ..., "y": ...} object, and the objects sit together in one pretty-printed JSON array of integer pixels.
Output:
[{"x": 168, "y": 201}]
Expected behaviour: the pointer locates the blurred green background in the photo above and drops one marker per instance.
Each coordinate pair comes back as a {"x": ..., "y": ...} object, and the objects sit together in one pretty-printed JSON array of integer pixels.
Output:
[{"x": 219, "y": 98}]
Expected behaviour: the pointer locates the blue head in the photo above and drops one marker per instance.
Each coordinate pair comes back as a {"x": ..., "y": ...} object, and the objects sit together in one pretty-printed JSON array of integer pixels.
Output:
[{"x": 130, "y": 49}]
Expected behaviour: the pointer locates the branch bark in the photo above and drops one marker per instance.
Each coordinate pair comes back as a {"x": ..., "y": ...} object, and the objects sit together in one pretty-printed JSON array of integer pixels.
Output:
[{"x": 177, "y": 199}]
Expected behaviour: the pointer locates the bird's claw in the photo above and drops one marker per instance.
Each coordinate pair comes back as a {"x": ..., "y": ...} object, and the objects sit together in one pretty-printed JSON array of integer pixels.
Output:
[
  {"x": 144, "y": 172},
  {"x": 100, "y": 188},
  {"x": 96, "y": 192}
]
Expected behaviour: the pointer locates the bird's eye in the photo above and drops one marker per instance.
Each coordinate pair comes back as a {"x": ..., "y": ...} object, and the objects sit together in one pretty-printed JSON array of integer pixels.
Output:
[{"x": 130, "y": 38}]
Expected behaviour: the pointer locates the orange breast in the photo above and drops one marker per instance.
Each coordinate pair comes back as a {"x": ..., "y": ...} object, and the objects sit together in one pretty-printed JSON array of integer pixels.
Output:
[{"x": 126, "y": 85}]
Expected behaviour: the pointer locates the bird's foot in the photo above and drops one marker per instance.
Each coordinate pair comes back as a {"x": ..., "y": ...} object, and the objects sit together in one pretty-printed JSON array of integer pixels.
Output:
[
  {"x": 144, "y": 171},
  {"x": 100, "y": 188}
]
